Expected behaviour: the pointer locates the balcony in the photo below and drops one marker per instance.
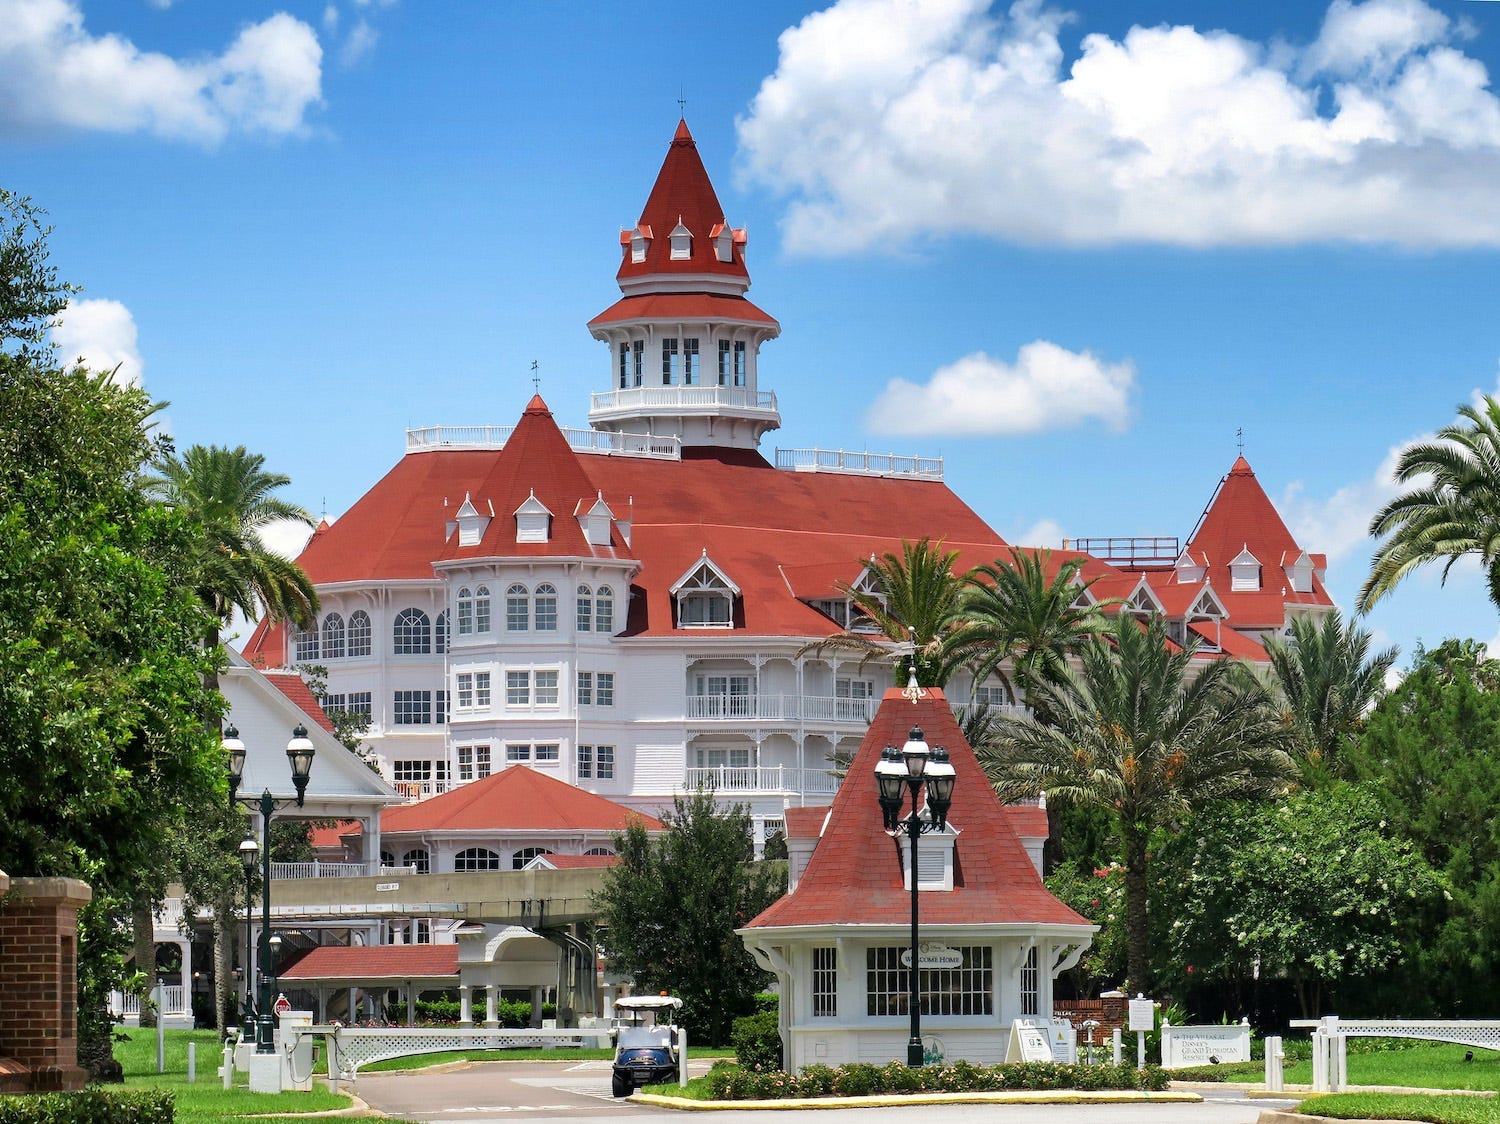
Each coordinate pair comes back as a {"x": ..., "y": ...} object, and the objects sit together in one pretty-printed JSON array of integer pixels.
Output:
[
  {"x": 781, "y": 708},
  {"x": 859, "y": 464},
  {"x": 335, "y": 870},
  {"x": 686, "y": 401},
  {"x": 773, "y": 780}
]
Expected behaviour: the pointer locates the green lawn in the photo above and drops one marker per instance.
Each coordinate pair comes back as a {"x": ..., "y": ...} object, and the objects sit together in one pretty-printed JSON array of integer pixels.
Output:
[
  {"x": 1418, "y": 1065},
  {"x": 207, "y": 1099},
  {"x": 1433, "y": 1108}
]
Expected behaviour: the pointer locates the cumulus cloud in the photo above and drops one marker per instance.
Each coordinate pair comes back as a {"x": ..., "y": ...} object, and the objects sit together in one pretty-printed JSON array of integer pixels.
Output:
[
  {"x": 1046, "y": 533},
  {"x": 887, "y": 120},
  {"x": 55, "y": 73},
  {"x": 359, "y": 43},
  {"x": 1047, "y": 387},
  {"x": 99, "y": 334}
]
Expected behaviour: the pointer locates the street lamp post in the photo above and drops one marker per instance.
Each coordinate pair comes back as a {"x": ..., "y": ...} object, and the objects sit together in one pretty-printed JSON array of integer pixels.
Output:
[
  {"x": 249, "y": 851},
  {"x": 914, "y": 767},
  {"x": 299, "y": 752}
]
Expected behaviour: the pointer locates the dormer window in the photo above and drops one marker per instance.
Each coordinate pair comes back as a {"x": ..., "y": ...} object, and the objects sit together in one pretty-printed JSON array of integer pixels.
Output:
[
  {"x": 682, "y": 242},
  {"x": 866, "y": 584},
  {"x": 1244, "y": 572},
  {"x": 934, "y": 860},
  {"x": 640, "y": 242},
  {"x": 1142, "y": 602},
  {"x": 724, "y": 243},
  {"x": 1299, "y": 573},
  {"x": 595, "y": 521},
  {"x": 471, "y": 524},
  {"x": 1190, "y": 570},
  {"x": 533, "y": 521},
  {"x": 705, "y": 597}
]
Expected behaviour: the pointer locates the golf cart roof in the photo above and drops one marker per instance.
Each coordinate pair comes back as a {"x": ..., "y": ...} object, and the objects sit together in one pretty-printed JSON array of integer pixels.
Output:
[{"x": 647, "y": 1002}]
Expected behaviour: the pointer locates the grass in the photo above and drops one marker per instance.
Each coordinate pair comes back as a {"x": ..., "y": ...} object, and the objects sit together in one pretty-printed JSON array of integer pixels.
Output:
[
  {"x": 207, "y": 1099},
  {"x": 1415, "y": 1065},
  {"x": 1434, "y": 1108}
]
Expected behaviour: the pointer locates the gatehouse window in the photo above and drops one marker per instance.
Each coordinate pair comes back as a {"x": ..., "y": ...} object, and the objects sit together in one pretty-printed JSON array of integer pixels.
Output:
[
  {"x": 1030, "y": 991},
  {"x": 965, "y": 989},
  {"x": 825, "y": 981}
]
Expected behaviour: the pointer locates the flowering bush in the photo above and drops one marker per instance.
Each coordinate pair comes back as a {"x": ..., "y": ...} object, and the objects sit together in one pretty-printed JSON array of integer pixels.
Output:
[{"x": 860, "y": 1079}]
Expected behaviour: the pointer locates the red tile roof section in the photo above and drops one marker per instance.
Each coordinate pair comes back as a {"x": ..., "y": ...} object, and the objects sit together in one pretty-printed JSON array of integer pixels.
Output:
[
  {"x": 583, "y": 862},
  {"x": 515, "y": 799},
  {"x": 684, "y": 306},
  {"x": 1027, "y": 820},
  {"x": 683, "y": 191},
  {"x": 805, "y": 823},
  {"x": 855, "y": 874},
  {"x": 375, "y": 962},
  {"x": 290, "y": 684}
]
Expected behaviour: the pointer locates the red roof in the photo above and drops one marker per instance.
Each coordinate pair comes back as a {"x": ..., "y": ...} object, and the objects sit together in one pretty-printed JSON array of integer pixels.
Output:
[
  {"x": 330, "y": 837},
  {"x": 375, "y": 962},
  {"x": 515, "y": 799},
  {"x": 683, "y": 306},
  {"x": 1242, "y": 516},
  {"x": 683, "y": 193},
  {"x": 855, "y": 874},
  {"x": 1028, "y": 821},
  {"x": 290, "y": 684},
  {"x": 582, "y": 862},
  {"x": 805, "y": 823}
]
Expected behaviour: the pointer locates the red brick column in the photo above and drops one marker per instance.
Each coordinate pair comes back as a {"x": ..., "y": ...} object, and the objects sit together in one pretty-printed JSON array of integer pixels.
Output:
[{"x": 39, "y": 985}]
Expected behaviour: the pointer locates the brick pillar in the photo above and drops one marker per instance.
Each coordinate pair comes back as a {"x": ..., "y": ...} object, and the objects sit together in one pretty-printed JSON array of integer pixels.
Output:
[{"x": 39, "y": 984}]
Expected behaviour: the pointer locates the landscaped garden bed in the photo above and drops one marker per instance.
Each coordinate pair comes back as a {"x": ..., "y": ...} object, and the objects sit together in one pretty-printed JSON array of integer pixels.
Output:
[{"x": 730, "y": 1082}]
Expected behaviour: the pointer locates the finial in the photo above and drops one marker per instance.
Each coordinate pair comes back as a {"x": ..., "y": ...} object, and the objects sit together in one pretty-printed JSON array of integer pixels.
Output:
[
  {"x": 1239, "y": 437},
  {"x": 681, "y": 104},
  {"x": 536, "y": 378},
  {"x": 914, "y": 690}
]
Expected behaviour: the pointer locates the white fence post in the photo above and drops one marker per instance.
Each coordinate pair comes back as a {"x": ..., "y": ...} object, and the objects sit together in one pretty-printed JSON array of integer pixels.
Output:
[
  {"x": 192, "y": 1063},
  {"x": 1275, "y": 1079},
  {"x": 1320, "y": 1059},
  {"x": 682, "y": 1041},
  {"x": 1115, "y": 1042}
]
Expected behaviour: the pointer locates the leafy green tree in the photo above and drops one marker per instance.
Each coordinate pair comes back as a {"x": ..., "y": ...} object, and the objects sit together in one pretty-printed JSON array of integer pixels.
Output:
[
  {"x": 672, "y": 905},
  {"x": 1328, "y": 681},
  {"x": 1314, "y": 888},
  {"x": 1141, "y": 734},
  {"x": 1450, "y": 511},
  {"x": 916, "y": 599},
  {"x": 31, "y": 296}
]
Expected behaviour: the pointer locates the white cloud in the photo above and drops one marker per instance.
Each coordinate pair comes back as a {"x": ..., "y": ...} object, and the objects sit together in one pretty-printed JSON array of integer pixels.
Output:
[
  {"x": 330, "y": 18},
  {"x": 101, "y": 335},
  {"x": 359, "y": 43},
  {"x": 886, "y": 120},
  {"x": 55, "y": 73},
  {"x": 286, "y": 537},
  {"x": 1046, "y": 533},
  {"x": 1047, "y": 387}
]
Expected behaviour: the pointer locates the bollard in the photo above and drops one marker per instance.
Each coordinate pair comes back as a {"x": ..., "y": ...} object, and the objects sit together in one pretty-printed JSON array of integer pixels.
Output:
[
  {"x": 1275, "y": 1080},
  {"x": 192, "y": 1063},
  {"x": 682, "y": 1077},
  {"x": 227, "y": 1072},
  {"x": 1115, "y": 1042},
  {"x": 161, "y": 1031}
]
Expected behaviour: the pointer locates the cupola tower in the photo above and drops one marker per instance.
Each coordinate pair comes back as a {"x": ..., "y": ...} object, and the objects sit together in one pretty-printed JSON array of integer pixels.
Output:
[{"x": 683, "y": 339}]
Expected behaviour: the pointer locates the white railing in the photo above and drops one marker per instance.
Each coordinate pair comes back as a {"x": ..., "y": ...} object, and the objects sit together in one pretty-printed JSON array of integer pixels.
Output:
[
  {"x": 128, "y": 1004},
  {"x": 433, "y": 437},
  {"x": 779, "y": 779},
  {"x": 316, "y": 869},
  {"x": 350, "y": 1048},
  {"x": 420, "y": 790},
  {"x": 694, "y": 398},
  {"x": 781, "y": 708},
  {"x": 864, "y": 464}
]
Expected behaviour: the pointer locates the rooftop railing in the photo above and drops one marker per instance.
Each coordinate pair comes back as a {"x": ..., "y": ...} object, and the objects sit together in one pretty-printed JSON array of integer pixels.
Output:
[
  {"x": 467, "y": 437},
  {"x": 861, "y": 464}
]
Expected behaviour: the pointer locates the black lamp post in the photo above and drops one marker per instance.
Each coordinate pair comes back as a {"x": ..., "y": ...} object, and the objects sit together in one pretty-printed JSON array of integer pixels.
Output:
[
  {"x": 299, "y": 752},
  {"x": 914, "y": 767},
  {"x": 249, "y": 853}
]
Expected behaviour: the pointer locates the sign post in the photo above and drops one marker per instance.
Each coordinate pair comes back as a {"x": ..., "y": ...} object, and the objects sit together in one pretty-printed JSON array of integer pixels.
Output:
[{"x": 1142, "y": 1020}]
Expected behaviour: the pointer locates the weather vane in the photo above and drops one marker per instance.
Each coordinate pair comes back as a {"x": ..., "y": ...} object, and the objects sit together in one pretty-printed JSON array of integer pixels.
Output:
[
  {"x": 536, "y": 379},
  {"x": 1239, "y": 436}
]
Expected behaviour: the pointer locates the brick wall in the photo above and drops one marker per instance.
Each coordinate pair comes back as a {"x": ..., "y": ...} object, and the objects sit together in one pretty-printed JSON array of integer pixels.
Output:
[
  {"x": 1111, "y": 1012},
  {"x": 39, "y": 984}
]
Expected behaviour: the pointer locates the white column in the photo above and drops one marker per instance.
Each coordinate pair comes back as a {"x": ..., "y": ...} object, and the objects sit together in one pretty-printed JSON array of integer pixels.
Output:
[
  {"x": 465, "y": 1005},
  {"x": 491, "y": 1006}
]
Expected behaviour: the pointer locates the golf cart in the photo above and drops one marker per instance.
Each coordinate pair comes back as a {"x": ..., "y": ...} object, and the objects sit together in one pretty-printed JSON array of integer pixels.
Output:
[{"x": 646, "y": 1041}]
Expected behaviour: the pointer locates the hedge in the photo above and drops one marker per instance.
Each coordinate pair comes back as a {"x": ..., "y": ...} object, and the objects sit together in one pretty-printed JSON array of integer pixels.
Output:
[
  {"x": 90, "y": 1106},
  {"x": 736, "y": 1083}
]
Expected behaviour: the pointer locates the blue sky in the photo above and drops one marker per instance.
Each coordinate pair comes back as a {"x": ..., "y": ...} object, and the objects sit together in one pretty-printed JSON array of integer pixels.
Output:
[{"x": 1073, "y": 249}]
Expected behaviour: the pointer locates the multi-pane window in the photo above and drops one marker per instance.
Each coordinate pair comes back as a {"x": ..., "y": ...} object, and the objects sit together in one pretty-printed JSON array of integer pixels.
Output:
[
  {"x": 525, "y": 855},
  {"x": 585, "y": 761},
  {"x": 476, "y": 858},
  {"x": 624, "y": 364},
  {"x": 825, "y": 981},
  {"x": 596, "y": 762},
  {"x": 991, "y": 696},
  {"x": 604, "y": 689},
  {"x": 739, "y": 362},
  {"x": 482, "y": 689},
  {"x": 473, "y": 762},
  {"x": 482, "y": 609},
  {"x": 853, "y": 698},
  {"x": 465, "y": 611},
  {"x": 689, "y": 362},
  {"x": 585, "y": 688},
  {"x": 547, "y": 752},
  {"x": 518, "y": 753},
  {"x": 413, "y": 708},
  {"x": 1030, "y": 991},
  {"x": 465, "y": 683},
  {"x": 416, "y": 772},
  {"x": 637, "y": 362},
  {"x": 546, "y": 688},
  {"x": 333, "y": 637},
  {"x": 604, "y": 609},
  {"x": 724, "y": 367},
  {"x": 517, "y": 609},
  {"x": 518, "y": 688},
  {"x": 473, "y": 690},
  {"x": 355, "y": 702},
  {"x": 669, "y": 361},
  {"x": 967, "y": 989},
  {"x": 544, "y": 615},
  {"x": 440, "y": 701},
  {"x": 307, "y": 645},
  {"x": 412, "y": 633},
  {"x": 585, "y": 608},
  {"x": 359, "y": 633},
  {"x": 440, "y": 633},
  {"x": 419, "y": 859}
]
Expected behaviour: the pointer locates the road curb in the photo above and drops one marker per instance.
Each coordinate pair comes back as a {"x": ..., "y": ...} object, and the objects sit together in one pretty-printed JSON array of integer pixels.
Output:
[{"x": 1009, "y": 1096}]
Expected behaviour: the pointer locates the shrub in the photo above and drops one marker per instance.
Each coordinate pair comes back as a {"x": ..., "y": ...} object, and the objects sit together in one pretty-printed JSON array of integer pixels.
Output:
[
  {"x": 757, "y": 1041},
  {"x": 91, "y": 1106},
  {"x": 767, "y": 1001},
  {"x": 730, "y": 1082}
]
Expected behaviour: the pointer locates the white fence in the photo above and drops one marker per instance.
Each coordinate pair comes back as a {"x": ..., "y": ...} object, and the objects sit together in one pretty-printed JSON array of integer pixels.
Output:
[
  {"x": 351, "y": 1048},
  {"x": 175, "y": 1005},
  {"x": 317, "y": 869},
  {"x": 771, "y": 778},
  {"x": 582, "y": 440},
  {"x": 863, "y": 464},
  {"x": 1331, "y": 1035}
]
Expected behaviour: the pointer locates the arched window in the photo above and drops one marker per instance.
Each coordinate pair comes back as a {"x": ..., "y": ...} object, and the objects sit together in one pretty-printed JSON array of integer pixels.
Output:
[
  {"x": 482, "y": 609},
  {"x": 598, "y": 851},
  {"x": 525, "y": 855},
  {"x": 387, "y": 859},
  {"x": 333, "y": 637},
  {"x": 359, "y": 634},
  {"x": 412, "y": 635},
  {"x": 441, "y": 633},
  {"x": 604, "y": 610},
  {"x": 419, "y": 859},
  {"x": 585, "y": 608},
  {"x": 465, "y": 611},
  {"x": 307, "y": 645},
  {"x": 517, "y": 609},
  {"x": 476, "y": 858},
  {"x": 544, "y": 614}
]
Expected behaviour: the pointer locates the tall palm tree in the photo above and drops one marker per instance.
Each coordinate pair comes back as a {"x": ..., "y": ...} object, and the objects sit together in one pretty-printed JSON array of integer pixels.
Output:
[
  {"x": 1140, "y": 734},
  {"x": 916, "y": 598},
  {"x": 1451, "y": 512},
  {"x": 1328, "y": 680},
  {"x": 1013, "y": 611}
]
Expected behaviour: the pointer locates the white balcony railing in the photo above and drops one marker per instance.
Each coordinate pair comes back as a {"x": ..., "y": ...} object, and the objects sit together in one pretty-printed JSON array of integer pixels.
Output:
[
  {"x": 174, "y": 1001},
  {"x": 785, "y": 708},
  {"x": 780, "y": 780},
  {"x": 432, "y": 437},
  {"x": 862, "y": 464},
  {"x": 693, "y": 399},
  {"x": 317, "y": 869}
]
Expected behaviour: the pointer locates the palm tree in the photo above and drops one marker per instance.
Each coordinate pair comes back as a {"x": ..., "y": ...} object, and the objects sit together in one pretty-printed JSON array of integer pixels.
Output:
[
  {"x": 1137, "y": 732},
  {"x": 916, "y": 598},
  {"x": 1328, "y": 680},
  {"x": 1453, "y": 510},
  {"x": 1013, "y": 611}
]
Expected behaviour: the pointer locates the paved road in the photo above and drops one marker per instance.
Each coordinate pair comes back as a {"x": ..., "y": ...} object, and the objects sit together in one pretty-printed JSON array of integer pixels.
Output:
[{"x": 578, "y": 1092}]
